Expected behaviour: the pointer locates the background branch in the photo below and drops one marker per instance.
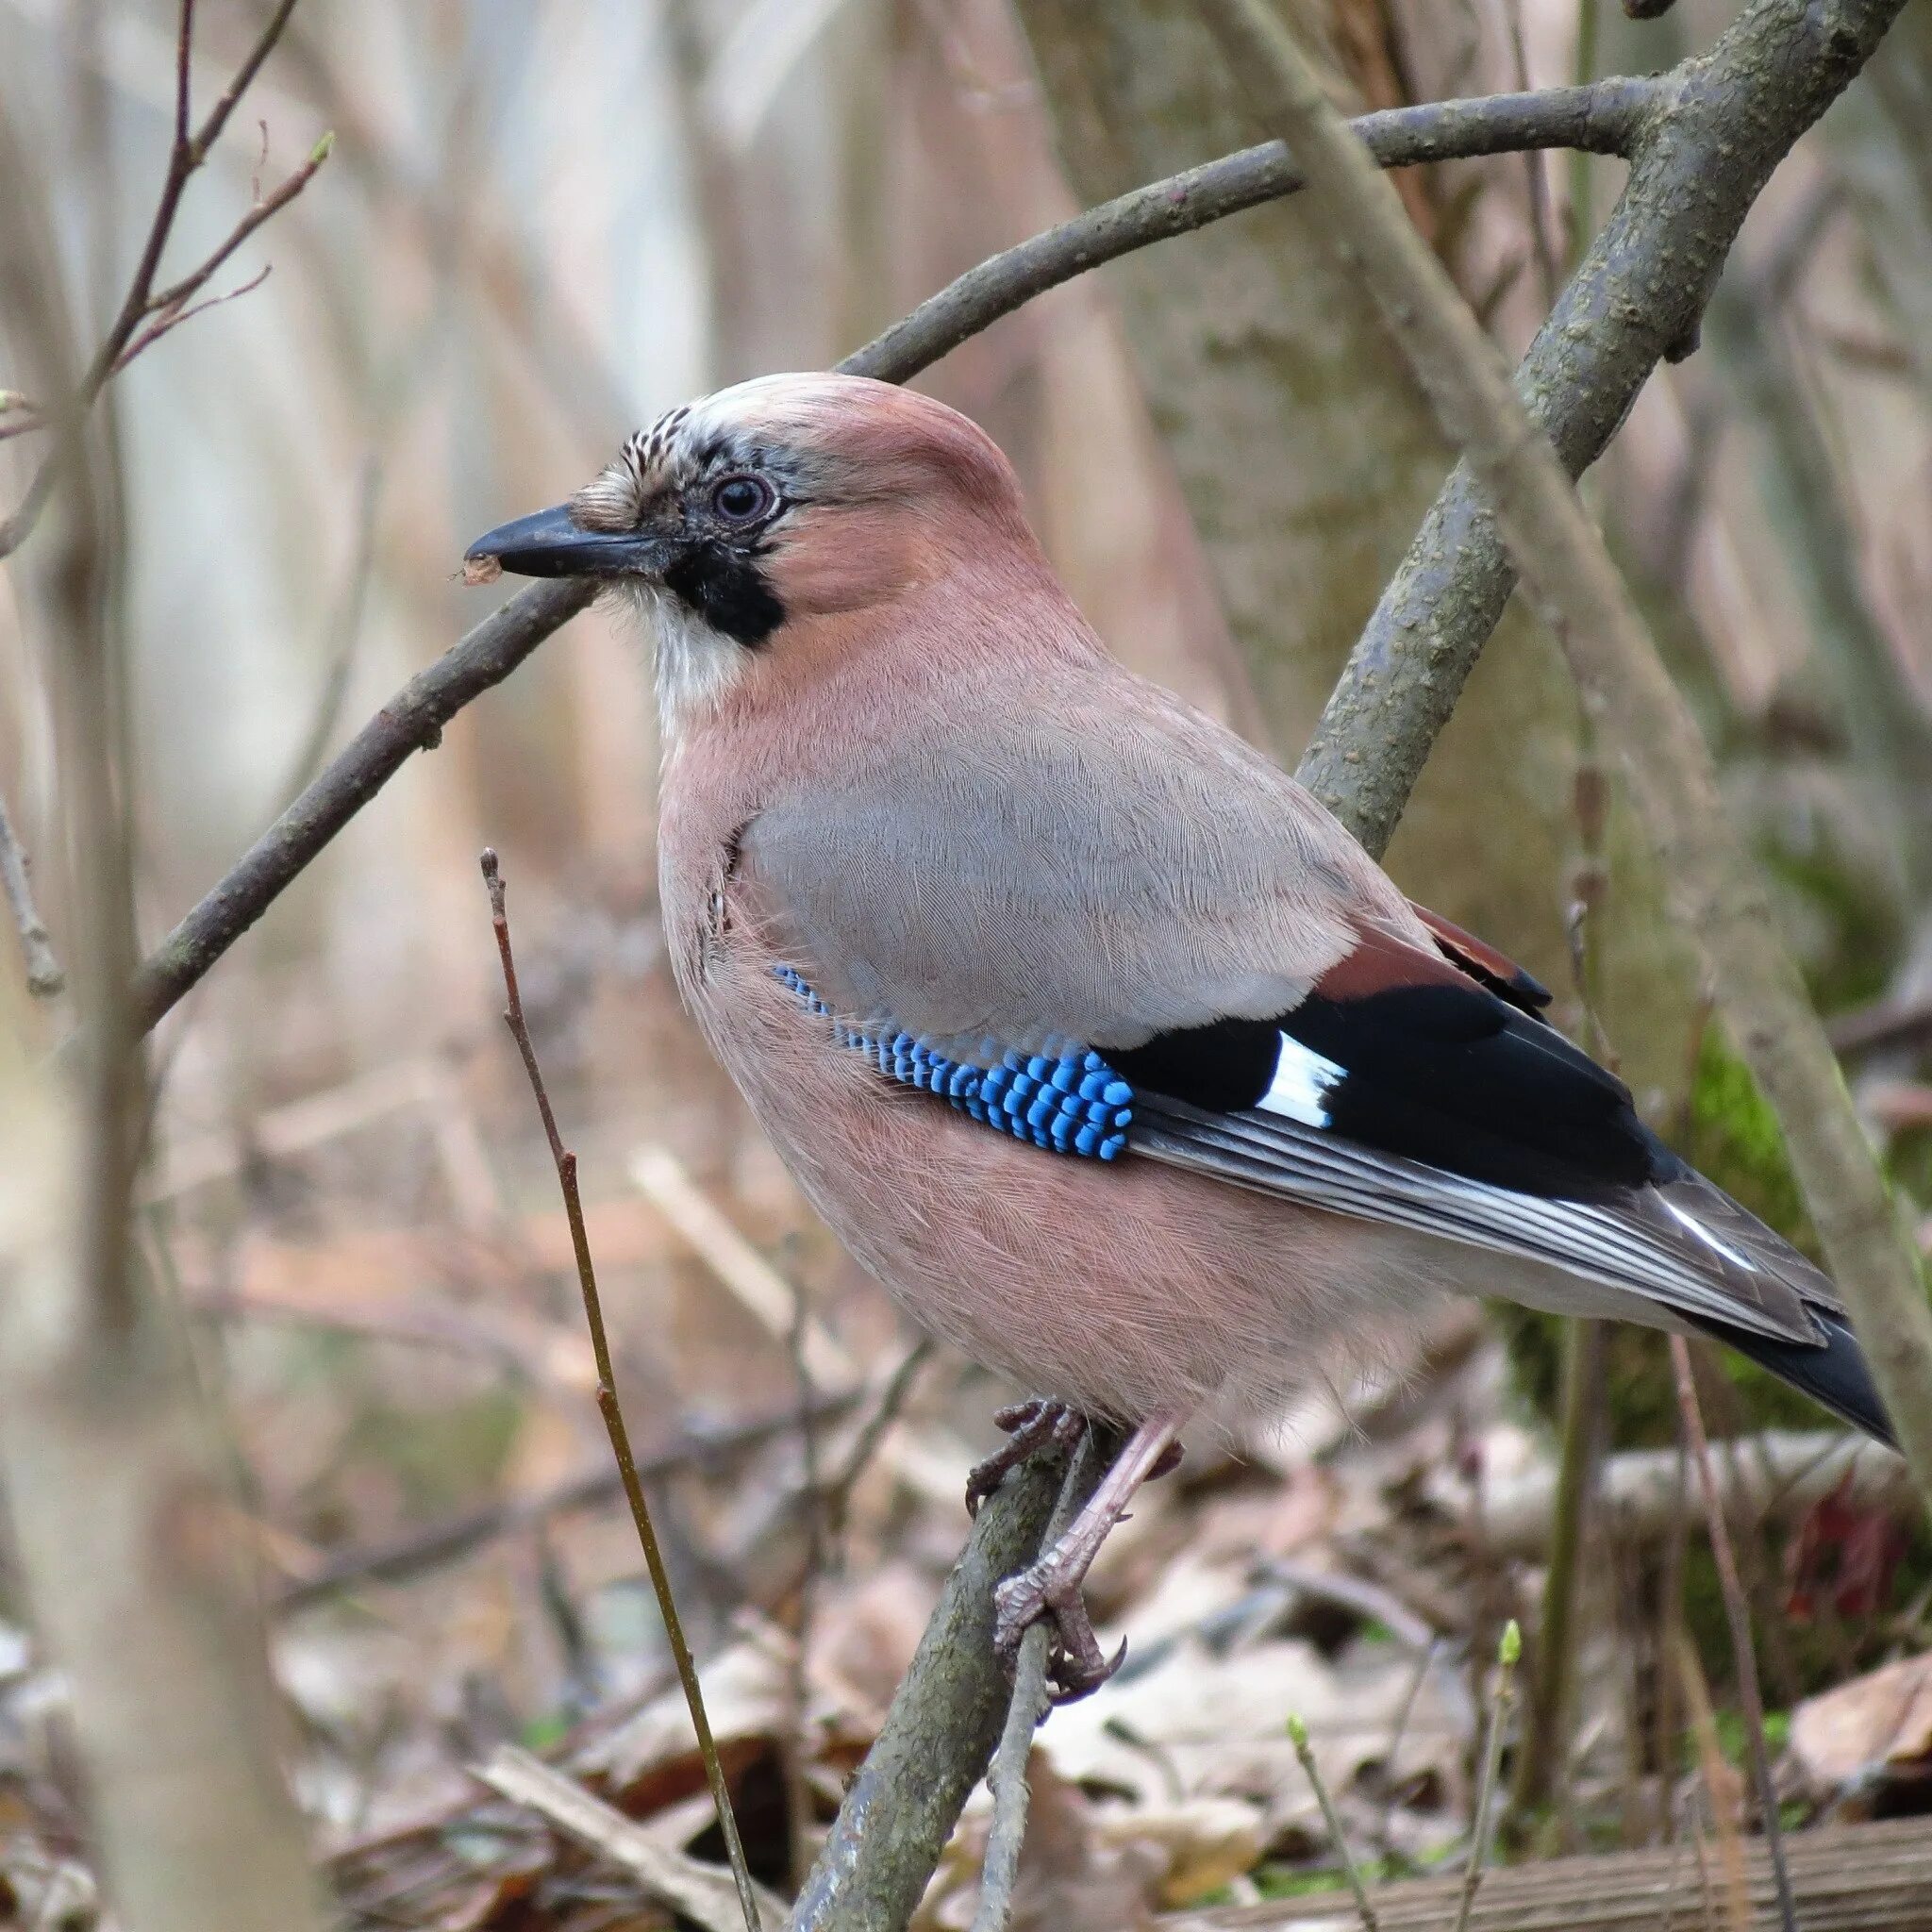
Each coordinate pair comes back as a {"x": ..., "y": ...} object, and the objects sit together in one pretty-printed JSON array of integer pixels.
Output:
[
  {"x": 1711, "y": 880},
  {"x": 43, "y": 974},
  {"x": 1605, "y": 118},
  {"x": 146, "y": 314},
  {"x": 1723, "y": 122}
]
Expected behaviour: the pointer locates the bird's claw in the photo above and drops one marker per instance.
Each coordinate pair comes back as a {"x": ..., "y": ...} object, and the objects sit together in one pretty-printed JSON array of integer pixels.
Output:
[
  {"x": 1029, "y": 1425},
  {"x": 1076, "y": 1666}
]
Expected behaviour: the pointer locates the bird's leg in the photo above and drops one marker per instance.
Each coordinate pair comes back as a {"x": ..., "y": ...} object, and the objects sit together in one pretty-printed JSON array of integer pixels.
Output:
[
  {"x": 1051, "y": 1587},
  {"x": 1029, "y": 1425}
]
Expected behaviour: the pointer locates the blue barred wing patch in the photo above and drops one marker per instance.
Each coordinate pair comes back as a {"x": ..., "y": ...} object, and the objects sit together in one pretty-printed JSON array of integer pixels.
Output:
[{"x": 1071, "y": 1102}]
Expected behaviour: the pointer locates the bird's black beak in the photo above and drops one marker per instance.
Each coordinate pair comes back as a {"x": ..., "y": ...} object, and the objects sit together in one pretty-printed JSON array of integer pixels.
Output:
[{"x": 552, "y": 544}]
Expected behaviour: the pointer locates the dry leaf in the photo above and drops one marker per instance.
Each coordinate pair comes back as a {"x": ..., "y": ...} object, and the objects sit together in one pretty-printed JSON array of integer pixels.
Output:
[{"x": 1880, "y": 1723}]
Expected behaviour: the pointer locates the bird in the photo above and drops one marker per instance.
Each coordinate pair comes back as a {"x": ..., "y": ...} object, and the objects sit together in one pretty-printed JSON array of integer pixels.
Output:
[{"x": 1094, "y": 1037}]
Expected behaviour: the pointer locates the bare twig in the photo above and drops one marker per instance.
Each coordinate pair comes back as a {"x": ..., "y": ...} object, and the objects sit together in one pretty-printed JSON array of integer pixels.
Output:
[
  {"x": 146, "y": 314},
  {"x": 1508, "y": 1652},
  {"x": 1298, "y": 1737},
  {"x": 798, "y": 1805},
  {"x": 1541, "y": 1766},
  {"x": 1562, "y": 558},
  {"x": 836, "y": 1498},
  {"x": 1721, "y": 1783},
  {"x": 43, "y": 974},
  {"x": 1006, "y": 1779},
  {"x": 1738, "y": 1611},
  {"x": 608, "y": 1403},
  {"x": 1606, "y": 118}
]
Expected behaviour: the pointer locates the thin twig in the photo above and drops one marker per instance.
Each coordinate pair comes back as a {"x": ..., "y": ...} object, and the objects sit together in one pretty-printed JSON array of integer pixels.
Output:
[
  {"x": 836, "y": 1497},
  {"x": 44, "y": 977},
  {"x": 798, "y": 1806},
  {"x": 1507, "y": 1650},
  {"x": 566, "y": 1163},
  {"x": 1543, "y": 1765},
  {"x": 1737, "y": 1611},
  {"x": 1298, "y": 1737},
  {"x": 146, "y": 315},
  {"x": 1006, "y": 1779},
  {"x": 117, "y": 1483}
]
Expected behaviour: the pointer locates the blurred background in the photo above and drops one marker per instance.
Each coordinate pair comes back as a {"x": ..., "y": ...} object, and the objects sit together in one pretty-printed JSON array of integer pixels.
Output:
[{"x": 541, "y": 225}]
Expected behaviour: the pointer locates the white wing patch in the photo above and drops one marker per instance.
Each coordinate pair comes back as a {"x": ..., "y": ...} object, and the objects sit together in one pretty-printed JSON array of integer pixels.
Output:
[{"x": 1303, "y": 1078}]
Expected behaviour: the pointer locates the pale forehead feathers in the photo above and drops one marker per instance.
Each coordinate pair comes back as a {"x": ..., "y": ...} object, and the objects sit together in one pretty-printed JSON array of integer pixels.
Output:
[{"x": 819, "y": 437}]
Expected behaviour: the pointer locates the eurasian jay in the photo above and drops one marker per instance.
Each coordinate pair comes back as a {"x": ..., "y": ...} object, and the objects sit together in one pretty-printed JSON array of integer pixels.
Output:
[{"x": 1093, "y": 1036}]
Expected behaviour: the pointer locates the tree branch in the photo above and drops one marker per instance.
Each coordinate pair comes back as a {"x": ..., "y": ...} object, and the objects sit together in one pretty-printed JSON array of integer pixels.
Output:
[
  {"x": 1606, "y": 117},
  {"x": 43, "y": 974},
  {"x": 1721, "y": 124},
  {"x": 1562, "y": 555},
  {"x": 411, "y": 721},
  {"x": 938, "y": 1736},
  {"x": 112, "y": 1465}
]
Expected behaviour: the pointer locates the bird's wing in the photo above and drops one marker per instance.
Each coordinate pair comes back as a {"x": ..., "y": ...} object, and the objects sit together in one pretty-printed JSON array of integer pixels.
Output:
[
  {"x": 1099, "y": 863},
  {"x": 1092, "y": 882}
]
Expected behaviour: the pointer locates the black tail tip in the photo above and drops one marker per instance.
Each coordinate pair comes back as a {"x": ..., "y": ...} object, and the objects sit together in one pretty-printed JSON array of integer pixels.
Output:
[{"x": 1836, "y": 1376}]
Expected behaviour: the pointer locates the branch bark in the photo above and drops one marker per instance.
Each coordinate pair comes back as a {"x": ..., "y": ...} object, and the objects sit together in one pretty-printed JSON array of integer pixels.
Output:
[
  {"x": 1605, "y": 118},
  {"x": 1721, "y": 124},
  {"x": 1559, "y": 552},
  {"x": 938, "y": 1736},
  {"x": 146, "y": 314}
]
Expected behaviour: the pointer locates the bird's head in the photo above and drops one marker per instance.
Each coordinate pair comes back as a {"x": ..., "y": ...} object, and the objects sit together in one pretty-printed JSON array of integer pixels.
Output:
[{"x": 743, "y": 521}]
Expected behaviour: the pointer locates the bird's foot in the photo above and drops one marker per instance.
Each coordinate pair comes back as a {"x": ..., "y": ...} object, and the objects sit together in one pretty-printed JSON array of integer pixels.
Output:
[
  {"x": 1029, "y": 1425},
  {"x": 1050, "y": 1592}
]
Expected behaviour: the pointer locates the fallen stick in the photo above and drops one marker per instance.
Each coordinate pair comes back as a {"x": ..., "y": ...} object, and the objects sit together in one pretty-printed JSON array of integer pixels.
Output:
[{"x": 1781, "y": 1472}]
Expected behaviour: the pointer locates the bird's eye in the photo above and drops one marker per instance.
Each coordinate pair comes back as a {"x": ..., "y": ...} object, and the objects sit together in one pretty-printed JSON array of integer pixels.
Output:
[{"x": 742, "y": 499}]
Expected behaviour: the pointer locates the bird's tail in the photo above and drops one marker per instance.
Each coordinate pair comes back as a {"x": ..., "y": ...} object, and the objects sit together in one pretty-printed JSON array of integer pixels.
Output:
[{"x": 1836, "y": 1375}]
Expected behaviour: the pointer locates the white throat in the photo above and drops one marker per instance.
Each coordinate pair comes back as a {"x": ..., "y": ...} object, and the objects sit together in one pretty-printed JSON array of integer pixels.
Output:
[{"x": 695, "y": 664}]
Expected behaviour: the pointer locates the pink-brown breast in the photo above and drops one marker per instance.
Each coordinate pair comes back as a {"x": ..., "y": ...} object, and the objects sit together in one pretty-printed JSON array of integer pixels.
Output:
[{"x": 1120, "y": 1286}]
